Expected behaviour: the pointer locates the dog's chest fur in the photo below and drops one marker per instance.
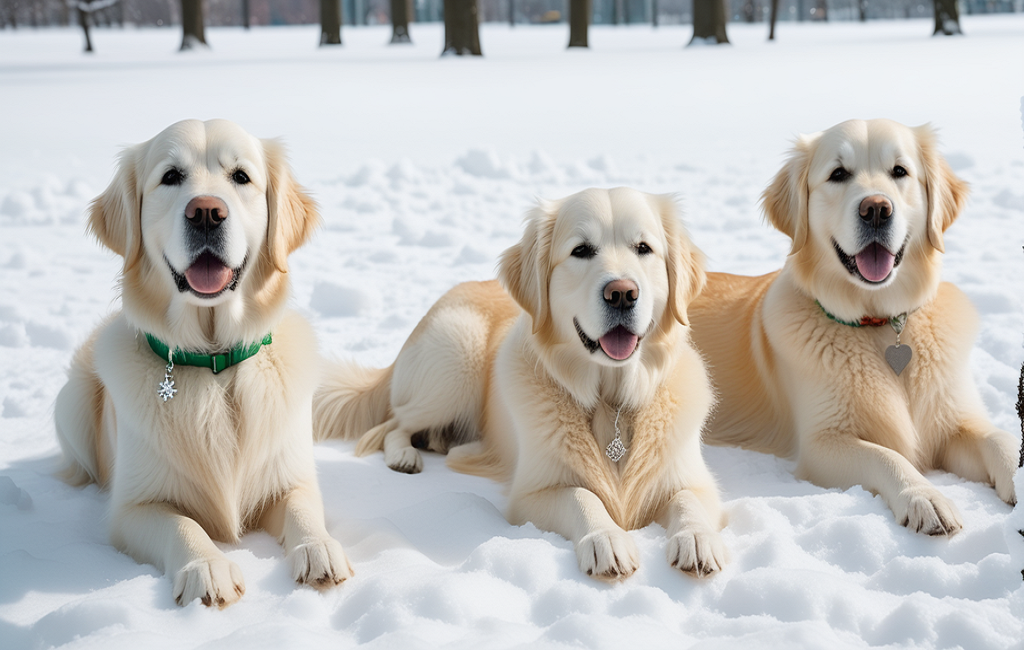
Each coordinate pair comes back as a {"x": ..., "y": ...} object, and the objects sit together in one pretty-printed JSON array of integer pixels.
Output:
[
  {"x": 225, "y": 446},
  {"x": 913, "y": 413}
]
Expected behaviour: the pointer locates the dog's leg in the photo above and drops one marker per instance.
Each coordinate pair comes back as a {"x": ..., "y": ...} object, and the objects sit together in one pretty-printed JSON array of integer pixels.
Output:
[
  {"x": 603, "y": 549},
  {"x": 297, "y": 521},
  {"x": 694, "y": 545},
  {"x": 981, "y": 453},
  {"x": 158, "y": 534},
  {"x": 399, "y": 454},
  {"x": 837, "y": 459}
]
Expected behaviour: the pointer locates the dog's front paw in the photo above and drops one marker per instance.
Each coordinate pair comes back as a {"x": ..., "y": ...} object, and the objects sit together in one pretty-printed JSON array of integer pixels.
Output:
[
  {"x": 699, "y": 553},
  {"x": 404, "y": 459},
  {"x": 926, "y": 510},
  {"x": 215, "y": 581},
  {"x": 1006, "y": 491},
  {"x": 608, "y": 554},
  {"x": 320, "y": 563}
]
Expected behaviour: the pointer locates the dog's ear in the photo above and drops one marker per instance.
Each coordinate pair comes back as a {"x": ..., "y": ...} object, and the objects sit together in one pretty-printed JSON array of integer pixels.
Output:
[
  {"x": 947, "y": 194},
  {"x": 525, "y": 267},
  {"x": 291, "y": 214},
  {"x": 785, "y": 200},
  {"x": 115, "y": 216},
  {"x": 683, "y": 261}
]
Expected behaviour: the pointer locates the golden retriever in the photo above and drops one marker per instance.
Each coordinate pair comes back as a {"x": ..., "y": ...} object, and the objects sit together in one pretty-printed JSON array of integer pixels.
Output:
[
  {"x": 585, "y": 358},
  {"x": 204, "y": 216},
  {"x": 807, "y": 361}
]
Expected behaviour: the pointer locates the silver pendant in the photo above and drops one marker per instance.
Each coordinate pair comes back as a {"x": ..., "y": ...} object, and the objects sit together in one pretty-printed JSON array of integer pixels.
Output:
[
  {"x": 166, "y": 389},
  {"x": 615, "y": 449},
  {"x": 898, "y": 356}
]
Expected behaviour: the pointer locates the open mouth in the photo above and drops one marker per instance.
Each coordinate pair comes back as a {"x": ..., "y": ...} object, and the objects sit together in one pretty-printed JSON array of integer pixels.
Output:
[
  {"x": 208, "y": 276},
  {"x": 873, "y": 264},
  {"x": 618, "y": 343}
]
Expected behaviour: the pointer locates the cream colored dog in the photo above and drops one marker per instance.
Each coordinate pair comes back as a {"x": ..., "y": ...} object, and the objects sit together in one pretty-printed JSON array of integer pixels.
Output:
[
  {"x": 807, "y": 360},
  {"x": 205, "y": 216},
  {"x": 585, "y": 358}
]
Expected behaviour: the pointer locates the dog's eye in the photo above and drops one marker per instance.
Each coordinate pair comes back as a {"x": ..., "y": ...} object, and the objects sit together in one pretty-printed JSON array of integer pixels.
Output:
[
  {"x": 839, "y": 174},
  {"x": 240, "y": 177},
  {"x": 643, "y": 249},
  {"x": 898, "y": 172},
  {"x": 584, "y": 251},
  {"x": 173, "y": 176}
]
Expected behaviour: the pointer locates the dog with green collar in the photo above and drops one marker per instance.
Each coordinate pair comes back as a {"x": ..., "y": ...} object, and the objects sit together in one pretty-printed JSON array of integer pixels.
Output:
[{"x": 192, "y": 405}]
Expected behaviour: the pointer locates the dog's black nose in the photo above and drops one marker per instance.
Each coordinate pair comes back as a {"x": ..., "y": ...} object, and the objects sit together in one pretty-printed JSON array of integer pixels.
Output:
[
  {"x": 875, "y": 210},
  {"x": 621, "y": 294},
  {"x": 205, "y": 213}
]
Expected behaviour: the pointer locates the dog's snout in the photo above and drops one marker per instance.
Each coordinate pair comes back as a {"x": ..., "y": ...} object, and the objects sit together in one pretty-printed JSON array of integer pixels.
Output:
[
  {"x": 205, "y": 213},
  {"x": 621, "y": 294},
  {"x": 875, "y": 210}
]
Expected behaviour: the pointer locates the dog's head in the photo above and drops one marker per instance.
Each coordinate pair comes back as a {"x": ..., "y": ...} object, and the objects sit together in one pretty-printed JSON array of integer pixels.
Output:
[
  {"x": 866, "y": 204},
  {"x": 204, "y": 215},
  {"x": 602, "y": 271}
]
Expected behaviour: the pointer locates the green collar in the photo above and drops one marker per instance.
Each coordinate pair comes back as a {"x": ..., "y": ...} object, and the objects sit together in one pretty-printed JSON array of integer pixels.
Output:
[
  {"x": 867, "y": 321},
  {"x": 215, "y": 362}
]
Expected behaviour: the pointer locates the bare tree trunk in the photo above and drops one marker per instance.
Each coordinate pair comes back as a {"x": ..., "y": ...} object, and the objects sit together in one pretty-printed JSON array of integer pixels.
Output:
[
  {"x": 947, "y": 18},
  {"x": 773, "y": 15},
  {"x": 400, "y": 12},
  {"x": 511, "y": 13},
  {"x": 654, "y": 13},
  {"x": 800, "y": 10},
  {"x": 709, "y": 22},
  {"x": 83, "y": 20},
  {"x": 617, "y": 12},
  {"x": 245, "y": 14},
  {"x": 579, "y": 21},
  {"x": 461, "y": 28},
  {"x": 192, "y": 32},
  {"x": 330, "y": 22},
  {"x": 862, "y": 7}
]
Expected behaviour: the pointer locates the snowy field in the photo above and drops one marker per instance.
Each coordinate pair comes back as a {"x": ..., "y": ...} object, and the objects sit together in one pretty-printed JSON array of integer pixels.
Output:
[{"x": 423, "y": 167}]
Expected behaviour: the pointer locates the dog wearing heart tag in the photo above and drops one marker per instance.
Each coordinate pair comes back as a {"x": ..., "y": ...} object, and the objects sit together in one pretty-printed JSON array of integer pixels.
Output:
[{"x": 853, "y": 359}]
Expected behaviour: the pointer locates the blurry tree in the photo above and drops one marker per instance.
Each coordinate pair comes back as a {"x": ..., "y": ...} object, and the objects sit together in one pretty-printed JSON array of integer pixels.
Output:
[
  {"x": 709, "y": 18},
  {"x": 330, "y": 22},
  {"x": 654, "y": 13},
  {"x": 511, "y": 13},
  {"x": 947, "y": 18},
  {"x": 401, "y": 10},
  {"x": 83, "y": 21},
  {"x": 193, "y": 33},
  {"x": 771, "y": 20},
  {"x": 245, "y": 14},
  {"x": 86, "y": 11},
  {"x": 862, "y": 9},
  {"x": 461, "y": 28},
  {"x": 579, "y": 21}
]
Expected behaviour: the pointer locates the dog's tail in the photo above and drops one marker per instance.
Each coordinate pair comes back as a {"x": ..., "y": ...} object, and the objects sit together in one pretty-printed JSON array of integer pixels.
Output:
[
  {"x": 351, "y": 401},
  {"x": 482, "y": 459}
]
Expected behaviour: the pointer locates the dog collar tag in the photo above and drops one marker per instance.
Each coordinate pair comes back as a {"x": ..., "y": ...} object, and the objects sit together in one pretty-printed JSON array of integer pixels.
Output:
[
  {"x": 165, "y": 389},
  {"x": 898, "y": 356},
  {"x": 615, "y": 449}
]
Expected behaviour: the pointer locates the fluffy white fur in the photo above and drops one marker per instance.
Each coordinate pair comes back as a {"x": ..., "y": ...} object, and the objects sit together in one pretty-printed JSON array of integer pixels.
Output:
[
  {"x": 230, "y": 452},
  {"x": 794, "y": 383},
  {"x": 507, "y": 379}
]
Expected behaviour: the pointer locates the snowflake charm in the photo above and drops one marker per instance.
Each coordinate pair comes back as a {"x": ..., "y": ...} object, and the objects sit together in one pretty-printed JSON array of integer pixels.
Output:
[
  {"x": 166, "y": 389},
  {"x": 615, "y": 450}
]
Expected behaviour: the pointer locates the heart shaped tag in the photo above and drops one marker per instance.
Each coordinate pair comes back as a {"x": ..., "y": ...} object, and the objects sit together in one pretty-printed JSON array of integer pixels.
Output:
[{"x": 898, "y": 357}]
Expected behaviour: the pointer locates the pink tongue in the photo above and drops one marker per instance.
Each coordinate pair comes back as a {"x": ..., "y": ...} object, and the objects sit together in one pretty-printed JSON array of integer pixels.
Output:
[
  {"x": 875, "y": 263},
  {"x": 208, "y": 274},
  {"x": 618, "y": 343}
]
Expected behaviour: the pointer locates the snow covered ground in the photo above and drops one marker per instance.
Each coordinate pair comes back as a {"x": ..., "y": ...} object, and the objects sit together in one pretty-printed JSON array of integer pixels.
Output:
[{"x": 423, "y": 167}]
